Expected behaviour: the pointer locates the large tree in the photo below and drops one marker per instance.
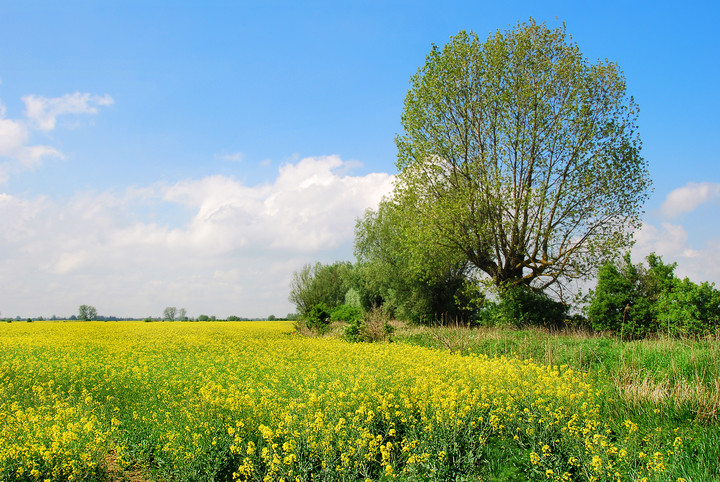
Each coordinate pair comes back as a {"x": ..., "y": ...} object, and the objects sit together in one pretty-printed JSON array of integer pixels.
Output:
[{"x": 521, "y": 155}]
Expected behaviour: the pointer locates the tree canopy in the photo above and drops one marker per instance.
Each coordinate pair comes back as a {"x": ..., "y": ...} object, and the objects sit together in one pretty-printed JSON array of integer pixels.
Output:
[
  {"x": 408, "y": 287},
  {"x": 521, "y": 156}
]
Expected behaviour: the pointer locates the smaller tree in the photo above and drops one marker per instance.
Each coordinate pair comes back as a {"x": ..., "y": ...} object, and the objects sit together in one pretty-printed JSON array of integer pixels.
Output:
[
  {"x": 623, "y": 300},
  {"x": 320, "y": 283},
  {"x": 87, "y": 313},
  {"x": 182, "y": 314},
  {"x": 170, "y": 313},
  {"x": 689, "y": 308},
  {"x": 634, "y": 300}
]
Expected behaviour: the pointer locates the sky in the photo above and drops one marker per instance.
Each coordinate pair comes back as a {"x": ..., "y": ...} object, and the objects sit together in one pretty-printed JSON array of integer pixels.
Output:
[{"x": 196, "y": 154}]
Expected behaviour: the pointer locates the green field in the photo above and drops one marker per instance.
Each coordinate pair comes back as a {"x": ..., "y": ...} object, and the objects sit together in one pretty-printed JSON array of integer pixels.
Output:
[{"x": 256, "y": 401}]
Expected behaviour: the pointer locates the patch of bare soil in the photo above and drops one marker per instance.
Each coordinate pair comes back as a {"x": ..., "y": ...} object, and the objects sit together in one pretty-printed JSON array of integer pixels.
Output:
[{"x": 118, "y": 474}]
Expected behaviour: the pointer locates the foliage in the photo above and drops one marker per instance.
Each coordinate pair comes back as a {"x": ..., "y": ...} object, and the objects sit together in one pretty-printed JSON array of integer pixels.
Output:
[
  {"x": 689, "y": 309},
  {"x": 87, "y": 313},
  {"x": 174, "y": 401},
  {"x": 634, "y": 301},
  {"x": 523, "y": 306},
  {"x": 233, "y": 318},
  {"x": 520, "y": 157},
  {"x": 203, "y": 318},
  {"x": 374, "y": 326},
  {"x": 419, "y": 289},
  {"x": 317, "y": 284},
  {"x": 318, "y": 318},
  {"x": 352, "y": 298},
  {"x": 346, "y": 313},
  {"x": 170, "y": 313}
]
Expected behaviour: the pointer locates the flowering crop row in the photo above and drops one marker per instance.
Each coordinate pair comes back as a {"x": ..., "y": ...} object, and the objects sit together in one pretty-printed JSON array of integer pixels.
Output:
[{"x": 250, "y": 401}]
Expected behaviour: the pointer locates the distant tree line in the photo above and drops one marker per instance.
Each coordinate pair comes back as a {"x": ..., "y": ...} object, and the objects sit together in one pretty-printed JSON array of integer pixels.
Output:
[
  {"x": 90, "y": 313},
  {"x": 629, "y": 300}
]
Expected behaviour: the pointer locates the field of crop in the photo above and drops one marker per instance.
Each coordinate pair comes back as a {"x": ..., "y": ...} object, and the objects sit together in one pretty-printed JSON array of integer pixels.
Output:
[{"x": 253, "y": 401}]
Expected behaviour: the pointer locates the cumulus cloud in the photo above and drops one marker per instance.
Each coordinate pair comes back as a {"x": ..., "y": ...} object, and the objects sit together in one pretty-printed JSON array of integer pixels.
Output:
[
  {"x": 233, "y": 251},
  {"x": 671, "y": 241},
  {"x": 43, "y": 111},
  {"x": 687, "y": 198}
]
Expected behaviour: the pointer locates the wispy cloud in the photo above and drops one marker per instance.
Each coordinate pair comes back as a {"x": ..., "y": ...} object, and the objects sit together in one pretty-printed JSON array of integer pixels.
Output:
[
  {"x": 43, "y": 111},
  {"x": 689, "y": 197},
  {"x": 14, "y": 138},
  {"x": 16, "y": 148},
  {"x": 234, "y": 157}
]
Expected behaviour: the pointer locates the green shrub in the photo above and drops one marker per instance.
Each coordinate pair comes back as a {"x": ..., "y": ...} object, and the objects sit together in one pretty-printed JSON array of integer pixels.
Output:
[
  {"x": 318, "y": 318},
  {"x": 374, "y": 326},
  {"x": 635, "y": 301},
  {"x": 689, "y": 309},
  {"x": 347, "y": 313},
  {"x": 522, "y": 306}
]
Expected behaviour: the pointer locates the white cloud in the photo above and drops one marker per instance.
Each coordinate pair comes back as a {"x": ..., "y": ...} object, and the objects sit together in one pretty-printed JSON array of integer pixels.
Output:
[
  {"x": 13, "y": 145},
  {"x": 687, "y": 198},
  {"x": 671, "y": 242},
  {"x": 233, "y": 253},
  {"x": 234, "y": 157},
  {"x": 43, "y": 111},
  {"x": 13, "y": 135}
]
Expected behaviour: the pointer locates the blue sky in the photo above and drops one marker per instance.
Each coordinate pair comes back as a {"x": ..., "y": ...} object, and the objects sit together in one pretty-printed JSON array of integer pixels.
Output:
[{"x": 195, "y": 154}]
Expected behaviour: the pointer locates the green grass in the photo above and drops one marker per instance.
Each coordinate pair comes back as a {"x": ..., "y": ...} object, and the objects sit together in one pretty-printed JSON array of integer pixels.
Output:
[{"x": 673, "y": 384}]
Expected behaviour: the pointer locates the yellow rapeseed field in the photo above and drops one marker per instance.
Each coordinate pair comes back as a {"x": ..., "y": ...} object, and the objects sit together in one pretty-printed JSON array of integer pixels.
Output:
[{"x": 253, "y": 401}]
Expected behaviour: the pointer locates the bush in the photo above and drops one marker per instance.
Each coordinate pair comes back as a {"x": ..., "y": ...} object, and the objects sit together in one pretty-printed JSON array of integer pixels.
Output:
[
  {"x": 635, "y": 301},
  {"x": 233, "y": 318},
  {"x": 623, "y": 301},
  {"x": 347, "y": 313},
  {"x": 689, "y": 309},
  {"x": 521, "y": 306},
  {"x": 374, "y": 326},
  {"x": 326, "y": 284},
  {"x": 318, "y": 318}
]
